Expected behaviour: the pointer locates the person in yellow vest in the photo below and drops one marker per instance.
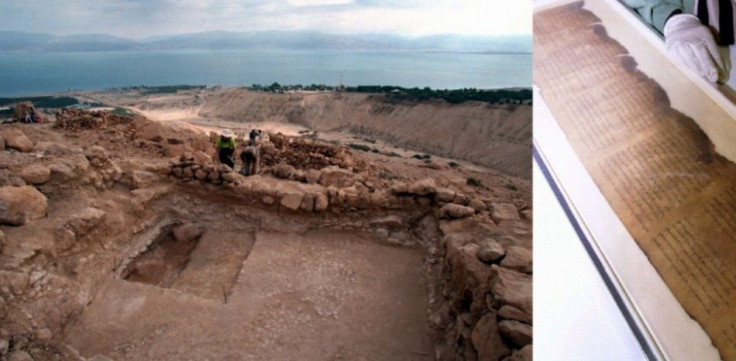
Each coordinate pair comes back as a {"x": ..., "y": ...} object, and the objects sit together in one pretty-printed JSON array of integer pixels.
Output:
[{"x": 226, "y": 147}]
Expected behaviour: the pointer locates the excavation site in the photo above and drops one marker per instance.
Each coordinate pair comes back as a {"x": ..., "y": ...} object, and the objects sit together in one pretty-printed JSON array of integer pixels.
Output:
[{"x": 365, "y": 234}]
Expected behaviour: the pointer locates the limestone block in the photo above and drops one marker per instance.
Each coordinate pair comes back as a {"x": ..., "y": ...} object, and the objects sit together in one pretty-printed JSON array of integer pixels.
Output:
[
  {"x": 18, "y": 205},
  {"x": 36, "y": 174},
  {"x": 292, "y": 201},
  {"x": 16, "y": 139}
]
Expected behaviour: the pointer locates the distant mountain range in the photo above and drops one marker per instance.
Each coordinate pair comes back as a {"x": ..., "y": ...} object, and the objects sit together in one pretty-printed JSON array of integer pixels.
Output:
[{"x": 15, "y": 41}]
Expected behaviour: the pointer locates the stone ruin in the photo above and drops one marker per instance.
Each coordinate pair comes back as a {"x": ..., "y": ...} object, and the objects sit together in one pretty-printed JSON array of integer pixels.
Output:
[
  {"x": 77, "y": 119},
  {"x": 477, "y": 251}
]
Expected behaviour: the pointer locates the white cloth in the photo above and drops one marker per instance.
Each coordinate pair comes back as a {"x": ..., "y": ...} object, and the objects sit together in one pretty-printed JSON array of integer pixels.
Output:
[{"x": 692, "y": 44}]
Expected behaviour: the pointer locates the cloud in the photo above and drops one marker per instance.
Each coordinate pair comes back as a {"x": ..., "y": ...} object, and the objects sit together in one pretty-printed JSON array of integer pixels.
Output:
[
  {"x": 319, "y": 2},
  {"x": 143, "y": 18}
]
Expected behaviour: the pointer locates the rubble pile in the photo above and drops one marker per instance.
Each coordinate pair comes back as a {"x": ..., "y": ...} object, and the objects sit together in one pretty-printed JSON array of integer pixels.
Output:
[
  {"x": 77, "y": 119},
  {"x": 303, "y": 153}
]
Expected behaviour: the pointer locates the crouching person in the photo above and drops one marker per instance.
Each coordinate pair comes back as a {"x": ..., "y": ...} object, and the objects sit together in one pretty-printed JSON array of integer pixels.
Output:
[
  {"x": 250, "y": 158},
  {"x": 226, "y": 147}
]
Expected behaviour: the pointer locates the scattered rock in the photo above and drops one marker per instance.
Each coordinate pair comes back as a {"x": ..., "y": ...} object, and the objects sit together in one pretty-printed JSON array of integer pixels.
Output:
[
  {"x": 525, "y": 354},
  {"x": 20, "y": 356},
  {"x": 201, "y": 157},
  {"x": 423, "y": 187},
  {"x": 143, "y": 179},
  {"x": 97, "y": 154},
  {"x": 36, "y": 174},
  {"x": 486, "y": 339},
  {"x": 86, "y": 221},
  {"x": 267, "y": 200},
  {"x": 292, "y": 201},
  {"x": 461, "y": 199},
  {"x": 518, "y": 258},
  {"x": 451, "y": 210},
  {"x": 512, "y": 313},
  {"x": 44, "y": 334},
  {"x": 61, "y": 172},
  {"x": 282, "y": 170},
  {"x": 16, "y": 282},
  {"x": 18, "y": 205},
  {"x": 517, "y": 333},
  {"x": 308, "y": 202},
  {"x": 444, "y": 195},
  {"x": 321, "y": 202},
  {"x": 478, "y": 205},
  {"x": 513, "y": 288},
  {"x": 490, "y": 250},
  {"x": 16, "y": 139},
  {"x": 312, "y": 176},
  {"x": 230, "y": 177},
  {"x": 199, "y": 174},
  {"x": 64, "y": 238},
  {"x": 298, "y": 175},
  {"x": 187, "y": 232},
  {"x": 334, "y": 176},
  {"x": 4, "y": 346},
  {"x": 399, "y": 188},
  {"x": 504, "y": 212}
]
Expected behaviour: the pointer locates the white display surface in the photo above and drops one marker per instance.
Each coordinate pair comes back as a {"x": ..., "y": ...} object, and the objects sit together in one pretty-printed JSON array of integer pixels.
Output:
[{"x": 575, "y": 316}]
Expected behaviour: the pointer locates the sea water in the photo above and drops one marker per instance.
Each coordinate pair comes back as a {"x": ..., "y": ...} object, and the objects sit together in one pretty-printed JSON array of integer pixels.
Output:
[{"x": 41, "y": 73}]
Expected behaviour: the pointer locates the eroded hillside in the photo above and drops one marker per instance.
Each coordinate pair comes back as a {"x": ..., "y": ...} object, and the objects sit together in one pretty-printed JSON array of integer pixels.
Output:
[{"x": 495, "y": 136}]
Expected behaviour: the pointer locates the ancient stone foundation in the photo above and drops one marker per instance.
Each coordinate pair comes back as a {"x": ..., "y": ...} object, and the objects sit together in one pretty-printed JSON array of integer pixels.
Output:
[{"x": 109, "y": 210}]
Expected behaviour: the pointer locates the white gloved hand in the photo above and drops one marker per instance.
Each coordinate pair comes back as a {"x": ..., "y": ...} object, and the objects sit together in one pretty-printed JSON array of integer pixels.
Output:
[{"x": 692, "y": 44}]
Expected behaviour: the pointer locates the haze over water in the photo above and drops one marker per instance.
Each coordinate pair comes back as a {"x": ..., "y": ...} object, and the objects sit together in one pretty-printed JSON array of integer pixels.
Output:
[{"x": 40, "y": 73}]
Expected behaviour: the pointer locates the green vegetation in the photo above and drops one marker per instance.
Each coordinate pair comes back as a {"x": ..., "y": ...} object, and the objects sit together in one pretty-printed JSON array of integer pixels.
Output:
[
  {"x": 473, "y": 182},
  {"x": 453, "y": 164},
  {"x": 421, "y": 156},
  {"x": 121, "y": 112},
  {"x": 41, "y": 101},
  {"x": 396, "y": 93},
  {"x": 163, "y": 89},
  {"x": 278, "y": 88},
  {"x": 362, "y": 147},
  {"x": 455, "y": 96}
]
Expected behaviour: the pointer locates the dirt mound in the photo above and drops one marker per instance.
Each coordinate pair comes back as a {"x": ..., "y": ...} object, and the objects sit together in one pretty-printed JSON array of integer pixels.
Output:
[{"x": 303, "y": 153}]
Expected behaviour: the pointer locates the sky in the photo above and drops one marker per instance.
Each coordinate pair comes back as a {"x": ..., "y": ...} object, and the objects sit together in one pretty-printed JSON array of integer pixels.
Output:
[{"x": 137, "y": 19}]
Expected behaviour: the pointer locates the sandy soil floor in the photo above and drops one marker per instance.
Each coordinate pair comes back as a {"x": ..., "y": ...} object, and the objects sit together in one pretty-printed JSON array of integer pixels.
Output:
[{"x": 323, "y": 295}]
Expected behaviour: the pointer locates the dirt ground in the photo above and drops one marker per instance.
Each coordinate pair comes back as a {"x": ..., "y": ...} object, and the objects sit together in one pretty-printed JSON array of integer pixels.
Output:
[{"x": 318, "y": 296}]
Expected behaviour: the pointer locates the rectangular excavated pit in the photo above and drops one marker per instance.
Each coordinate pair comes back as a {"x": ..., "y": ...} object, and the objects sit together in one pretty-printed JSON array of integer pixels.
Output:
[
  {"x": 200, "y": 261},
  {"x": 322, "y": 295}
]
